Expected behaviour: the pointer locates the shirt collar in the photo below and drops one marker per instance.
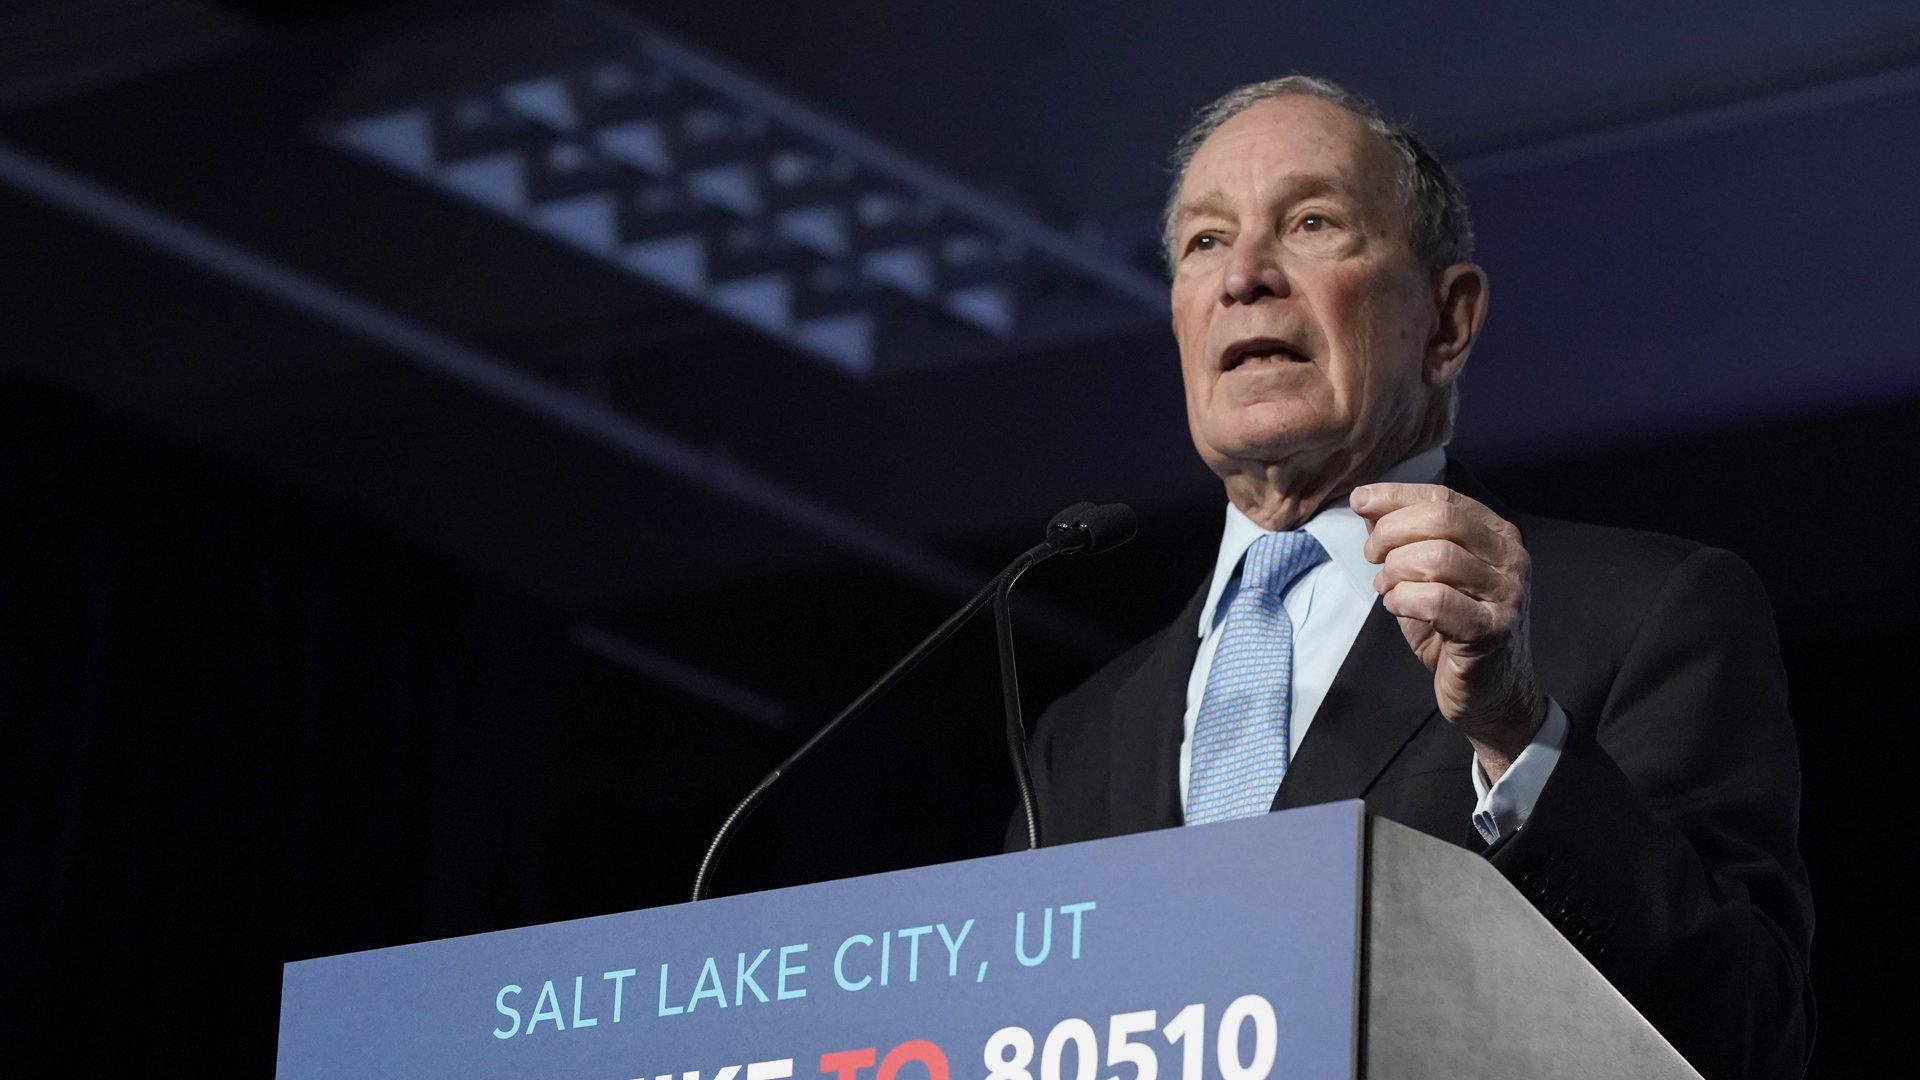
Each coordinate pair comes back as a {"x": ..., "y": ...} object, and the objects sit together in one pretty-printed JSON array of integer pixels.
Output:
[{"x": 1341, "y": 531}]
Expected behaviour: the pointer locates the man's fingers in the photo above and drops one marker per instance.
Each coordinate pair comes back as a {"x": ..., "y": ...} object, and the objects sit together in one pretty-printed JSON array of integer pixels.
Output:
[
  {"x": 1446, "y": 560},
  {"x": 1447, "y": 563},
  {"x": 1465, "y": 522},
  {"x": 1453, "y": 615},
  {"x": 1371, "y": 501}
]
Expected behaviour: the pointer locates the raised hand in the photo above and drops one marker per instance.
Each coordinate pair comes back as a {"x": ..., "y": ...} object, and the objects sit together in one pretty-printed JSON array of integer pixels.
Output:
[{"x": 1456, "y": 576}]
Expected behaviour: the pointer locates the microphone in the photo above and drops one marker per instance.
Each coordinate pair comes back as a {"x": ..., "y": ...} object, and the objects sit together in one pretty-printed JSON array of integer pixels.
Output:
[
  {"x": 1082, "y": 527},
  {"x": 1096, "y": 528}
]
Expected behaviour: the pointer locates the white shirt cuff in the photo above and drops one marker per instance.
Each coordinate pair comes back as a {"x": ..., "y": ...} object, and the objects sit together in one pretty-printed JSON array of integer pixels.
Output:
[{"x": 1505, "y": 805}]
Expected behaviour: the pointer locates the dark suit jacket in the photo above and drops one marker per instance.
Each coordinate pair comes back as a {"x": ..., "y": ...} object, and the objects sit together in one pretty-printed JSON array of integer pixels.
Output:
[{"x": 1663, "y": 845}]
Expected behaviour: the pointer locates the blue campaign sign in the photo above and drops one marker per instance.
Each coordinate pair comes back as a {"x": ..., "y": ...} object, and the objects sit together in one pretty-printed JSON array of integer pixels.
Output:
[{"x": 1226, "y": 950}]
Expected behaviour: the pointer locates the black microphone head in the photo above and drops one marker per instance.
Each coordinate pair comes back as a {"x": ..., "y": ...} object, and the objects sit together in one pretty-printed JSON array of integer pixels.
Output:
[
  {"x": 1069, "y": 518},
  {"x": 1093, "y": 529},
  {"x": 1110, "y": 526}
]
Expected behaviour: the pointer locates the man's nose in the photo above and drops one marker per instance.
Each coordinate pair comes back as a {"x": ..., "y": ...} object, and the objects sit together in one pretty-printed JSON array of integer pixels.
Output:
[{"x": 1253, "y": 271}]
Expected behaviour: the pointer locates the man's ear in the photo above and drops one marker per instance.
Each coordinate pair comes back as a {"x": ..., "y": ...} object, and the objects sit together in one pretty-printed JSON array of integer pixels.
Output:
[{"x": 1461, "y": 292}]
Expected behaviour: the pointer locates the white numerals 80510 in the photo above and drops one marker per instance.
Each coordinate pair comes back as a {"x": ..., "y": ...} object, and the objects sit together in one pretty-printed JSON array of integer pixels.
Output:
[{"x": 1009, "y": 1052}]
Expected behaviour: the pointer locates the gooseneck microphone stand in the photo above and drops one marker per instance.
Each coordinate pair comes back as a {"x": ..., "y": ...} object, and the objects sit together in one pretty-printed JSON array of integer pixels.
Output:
[
  {"x": 1082, "y": 527},
  {"x": 1097, "y": 529}
]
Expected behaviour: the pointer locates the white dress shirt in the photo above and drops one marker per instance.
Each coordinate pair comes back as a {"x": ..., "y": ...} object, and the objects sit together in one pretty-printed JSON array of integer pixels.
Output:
[{"x": 1328, "y": 604}]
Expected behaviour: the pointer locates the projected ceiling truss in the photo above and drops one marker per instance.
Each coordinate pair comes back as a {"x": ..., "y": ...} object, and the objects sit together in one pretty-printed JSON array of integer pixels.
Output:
[{"x": 637, "y": 150}]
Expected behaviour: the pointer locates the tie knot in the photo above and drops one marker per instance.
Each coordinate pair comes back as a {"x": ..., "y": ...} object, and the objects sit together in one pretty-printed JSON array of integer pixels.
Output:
[{"x": 1276, "y": 560}]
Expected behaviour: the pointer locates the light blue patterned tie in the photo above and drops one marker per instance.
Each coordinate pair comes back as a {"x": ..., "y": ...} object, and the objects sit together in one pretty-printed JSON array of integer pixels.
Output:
[{"x": 1240, "y": 741}]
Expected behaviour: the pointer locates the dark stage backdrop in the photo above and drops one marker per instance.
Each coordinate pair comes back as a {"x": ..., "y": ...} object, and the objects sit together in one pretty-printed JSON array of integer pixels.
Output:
[
  {"x": 240, "y": 730},
  {"x": 243, "y": 727}
]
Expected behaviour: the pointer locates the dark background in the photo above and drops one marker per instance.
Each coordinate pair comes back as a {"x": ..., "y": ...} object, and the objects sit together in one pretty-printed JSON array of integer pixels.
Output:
[{"x": 305, "y": 648}]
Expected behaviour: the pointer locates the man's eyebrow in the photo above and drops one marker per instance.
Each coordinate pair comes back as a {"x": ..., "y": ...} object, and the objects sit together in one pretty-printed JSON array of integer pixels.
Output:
[
  {"x": 1301, "y": 186},
  {"x": 1312, "y": 185},
  {"x": 1212, "y": 203}
]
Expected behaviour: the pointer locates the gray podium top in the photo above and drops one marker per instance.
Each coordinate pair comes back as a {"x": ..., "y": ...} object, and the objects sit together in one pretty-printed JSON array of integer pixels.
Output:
[{"x": 1465, "y": 979}]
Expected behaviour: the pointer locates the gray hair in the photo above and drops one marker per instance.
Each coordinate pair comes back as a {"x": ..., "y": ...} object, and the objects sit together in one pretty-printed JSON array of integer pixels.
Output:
[{"x": 1435, "y": 207}]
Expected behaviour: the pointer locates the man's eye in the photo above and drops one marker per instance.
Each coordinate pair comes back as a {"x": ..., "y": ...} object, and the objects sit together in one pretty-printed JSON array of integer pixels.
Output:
[
  {"x": 1204, "y": 242},
  {"x": 1314, "y": 223}
]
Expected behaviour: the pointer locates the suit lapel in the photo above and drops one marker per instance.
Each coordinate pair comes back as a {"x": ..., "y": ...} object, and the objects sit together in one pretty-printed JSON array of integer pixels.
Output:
[
  {"x": 1380, "y": 698},
  {"x": 1143, "y": 781}
]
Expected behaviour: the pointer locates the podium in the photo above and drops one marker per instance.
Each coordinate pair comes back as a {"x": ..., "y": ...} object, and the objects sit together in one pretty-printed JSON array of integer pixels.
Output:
[{"x": 1314, "y": 943}]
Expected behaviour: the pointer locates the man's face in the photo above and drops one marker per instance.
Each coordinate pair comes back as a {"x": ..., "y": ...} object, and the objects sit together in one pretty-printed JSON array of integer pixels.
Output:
[{"x": 1301, "y": 311}]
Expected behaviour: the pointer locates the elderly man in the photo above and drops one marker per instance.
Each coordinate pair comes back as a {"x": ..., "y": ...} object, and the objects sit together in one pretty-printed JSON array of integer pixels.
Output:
[{"x": 1601, "y": 711}]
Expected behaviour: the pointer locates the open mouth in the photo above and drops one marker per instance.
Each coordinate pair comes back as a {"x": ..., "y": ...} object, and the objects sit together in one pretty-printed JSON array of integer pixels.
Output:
[{"x": 1261, "y": 352}]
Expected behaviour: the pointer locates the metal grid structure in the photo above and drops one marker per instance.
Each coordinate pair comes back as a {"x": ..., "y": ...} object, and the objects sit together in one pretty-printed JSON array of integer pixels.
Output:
[{"x": 640, "y": 151}]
